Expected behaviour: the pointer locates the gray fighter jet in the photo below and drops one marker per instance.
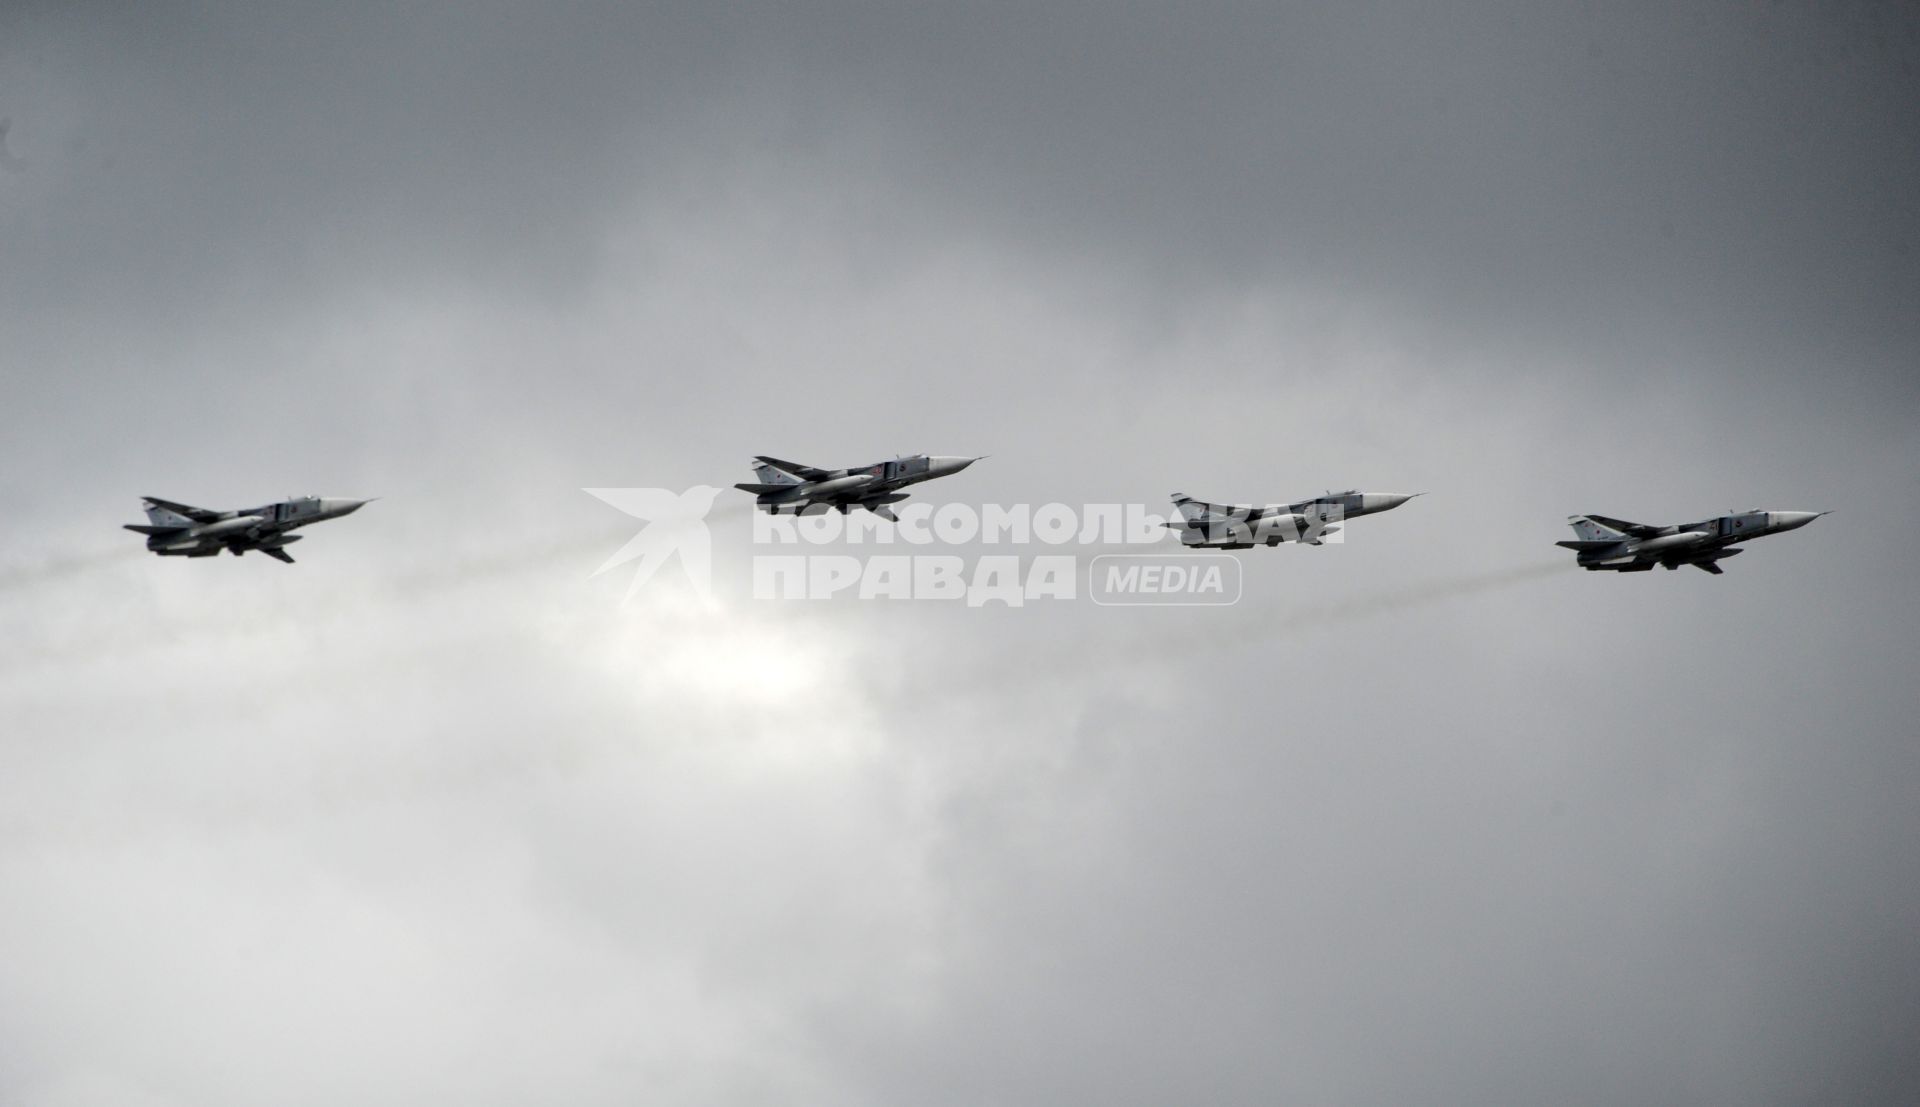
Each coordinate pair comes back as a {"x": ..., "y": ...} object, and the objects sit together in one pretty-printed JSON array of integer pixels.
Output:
[
  {"x": 1310, "y": 522},
  {"x": 182, "y": 530},
  {"x": 1623, "y": 547},
  {"x": 787, "y": 487}
]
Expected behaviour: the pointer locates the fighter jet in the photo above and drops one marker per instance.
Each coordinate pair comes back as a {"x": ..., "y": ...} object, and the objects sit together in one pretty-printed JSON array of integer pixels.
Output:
[
  {"x": 1623, "y": 547},
  {"x": 182, "y": 530},
  {"x": 786, "y": 487},
  {"x": 1238, "y": 527}
]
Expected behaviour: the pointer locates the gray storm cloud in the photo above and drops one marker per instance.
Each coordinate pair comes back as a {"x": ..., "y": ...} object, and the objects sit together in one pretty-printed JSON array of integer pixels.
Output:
[{"x": 1429, "y": 817}]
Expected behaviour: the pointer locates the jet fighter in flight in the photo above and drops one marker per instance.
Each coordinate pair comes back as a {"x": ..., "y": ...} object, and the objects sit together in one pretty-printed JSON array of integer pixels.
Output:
[
  {"x": 790, "y": 488},
  {"x": 182, "y": 530},
  {"x": 1310, "y": 522},
  {"x": 1623, "y": 547}
]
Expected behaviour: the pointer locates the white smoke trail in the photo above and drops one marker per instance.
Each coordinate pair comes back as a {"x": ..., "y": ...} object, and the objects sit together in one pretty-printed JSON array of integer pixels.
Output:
[
  {"x": 60, "y": 646},
  {"x": 21, "y": 577},
  {"x": 327, "y": 791},
  {"x": 1214, "y": 629}
]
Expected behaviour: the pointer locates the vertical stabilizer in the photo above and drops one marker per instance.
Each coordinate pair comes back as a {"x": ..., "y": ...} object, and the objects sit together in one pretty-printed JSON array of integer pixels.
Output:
[
  {"x": 1195, "y": 512},
  {"x": 165, "y": 518},
  {"x": 1589, "y": 531},
  {"x": 773, "y": 474}
]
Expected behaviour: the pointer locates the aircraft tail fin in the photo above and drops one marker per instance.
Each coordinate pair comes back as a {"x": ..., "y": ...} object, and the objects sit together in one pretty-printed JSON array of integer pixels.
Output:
[
  {"x": 1196, "y": 513},
  {"x": 1590, "y": 531},
  {"x": 770, "y": 474},
  {"x": 165, "y": 518}
]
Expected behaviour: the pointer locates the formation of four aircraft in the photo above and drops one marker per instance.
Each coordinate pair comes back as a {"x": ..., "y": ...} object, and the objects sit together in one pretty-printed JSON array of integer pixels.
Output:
[{"x": 1603, "y": 544}]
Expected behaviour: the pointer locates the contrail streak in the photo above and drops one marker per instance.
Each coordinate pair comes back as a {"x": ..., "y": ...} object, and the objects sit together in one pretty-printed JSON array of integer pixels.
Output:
[
  {"x": 427, "y": 579},
  {"x": 16, "y": 578},
  {"x": 1256, "y": 625},
  {"x": 1418, "y": 595},
  {"x": 1243, "y": 624},
  {"x": 323, "y": 791}
]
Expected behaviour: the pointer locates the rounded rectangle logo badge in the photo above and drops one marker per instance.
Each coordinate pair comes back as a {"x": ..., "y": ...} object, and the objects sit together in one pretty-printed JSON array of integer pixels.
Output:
[{"x": 1165, "y": 580}]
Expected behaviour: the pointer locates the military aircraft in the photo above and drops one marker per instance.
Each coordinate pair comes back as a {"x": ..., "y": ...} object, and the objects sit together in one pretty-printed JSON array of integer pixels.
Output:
[
  {"x": 1238, "y": 527},
  {"x": 785, "y": 486},
  {"x": 1623, "y": 547},
  {"x": 182, "y": 530}
]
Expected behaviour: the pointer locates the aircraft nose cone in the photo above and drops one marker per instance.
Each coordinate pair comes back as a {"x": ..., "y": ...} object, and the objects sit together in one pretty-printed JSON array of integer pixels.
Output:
[
  {"x": 1386, "y": 501},
  {"x": 343, "y": 506},
  {"x": 946, "y": 465},
  {"x": 1788, "y": 520}
]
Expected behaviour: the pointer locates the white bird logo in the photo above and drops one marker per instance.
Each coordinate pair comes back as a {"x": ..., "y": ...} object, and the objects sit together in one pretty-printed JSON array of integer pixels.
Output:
[{"x": 676, "y": 523}]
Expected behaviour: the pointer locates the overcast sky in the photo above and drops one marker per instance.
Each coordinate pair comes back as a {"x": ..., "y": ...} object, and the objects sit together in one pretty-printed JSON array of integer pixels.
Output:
[{"x": 431, "y": 817}]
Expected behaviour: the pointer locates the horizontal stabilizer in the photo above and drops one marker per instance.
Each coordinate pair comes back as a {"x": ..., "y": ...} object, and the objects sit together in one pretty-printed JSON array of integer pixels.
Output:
[
  {"x": 766, "y": 489},
  {"x": 1585, "y": 545},
  {"x": 141, "y": 528}
]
